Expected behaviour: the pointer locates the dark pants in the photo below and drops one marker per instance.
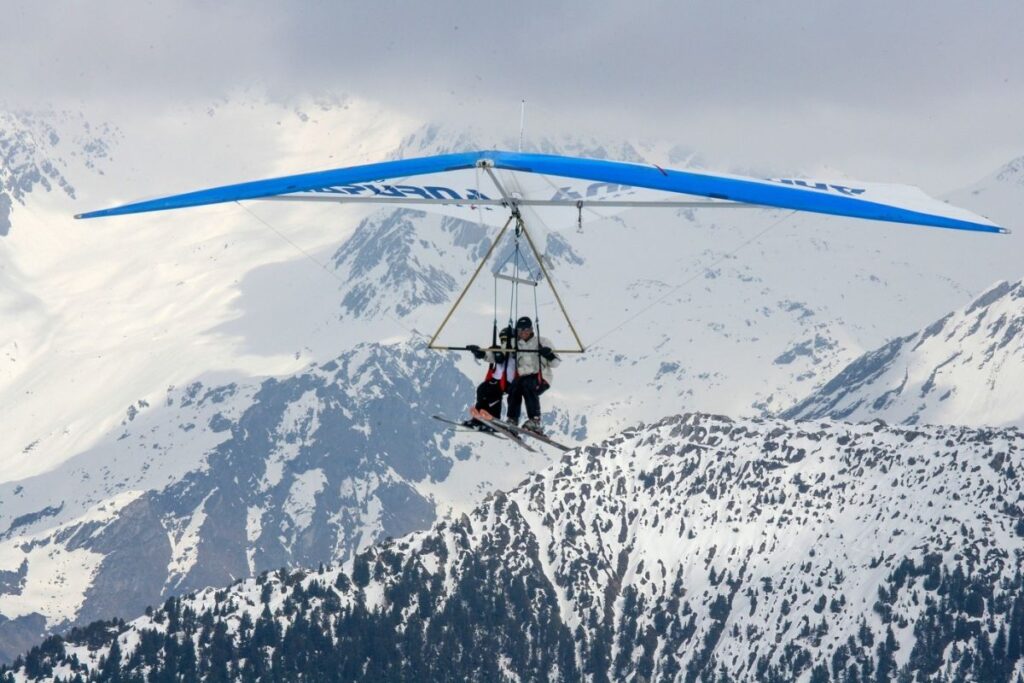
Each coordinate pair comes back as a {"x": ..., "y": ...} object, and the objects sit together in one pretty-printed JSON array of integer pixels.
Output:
[
  {"x": 488, "y": 397},
  {"x": 526, "y": 388}
]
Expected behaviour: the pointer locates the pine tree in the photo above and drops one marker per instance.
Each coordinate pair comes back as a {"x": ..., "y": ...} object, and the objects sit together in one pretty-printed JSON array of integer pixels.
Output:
[
  {"x": 819, "y": 674},
  {"x": 886, "y": 668},
  {"x": 110, "y": 668}
]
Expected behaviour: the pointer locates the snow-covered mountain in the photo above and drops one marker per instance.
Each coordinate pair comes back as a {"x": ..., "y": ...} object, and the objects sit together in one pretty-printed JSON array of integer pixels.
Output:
[
  {"x": 695, "y": 548},
  {"x": 34, "y": 154},
  {"x": 965, "y": 368},
  {"x": 221, "y": 481},
  {"x": 741, "y": 313}
]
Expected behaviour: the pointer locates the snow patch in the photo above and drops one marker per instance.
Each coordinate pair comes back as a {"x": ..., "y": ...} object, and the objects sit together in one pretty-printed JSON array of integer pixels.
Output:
[
  {"x": 301, "y": 503},
  {"x": 185, "y": 546}
]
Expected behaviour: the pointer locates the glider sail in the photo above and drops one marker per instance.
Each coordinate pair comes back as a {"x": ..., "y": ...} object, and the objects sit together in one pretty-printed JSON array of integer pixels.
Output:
[{"x": 496, "y": 181}]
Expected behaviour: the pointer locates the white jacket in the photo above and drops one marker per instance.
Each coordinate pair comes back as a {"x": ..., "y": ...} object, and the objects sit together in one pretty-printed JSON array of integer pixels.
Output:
[{"x": 530, "y": 363}]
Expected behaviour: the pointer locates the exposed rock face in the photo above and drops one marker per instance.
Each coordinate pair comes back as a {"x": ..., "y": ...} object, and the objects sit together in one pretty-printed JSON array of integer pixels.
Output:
[
  {"x": 34, "y": 156},
  {"x": 19, "y": 634}
]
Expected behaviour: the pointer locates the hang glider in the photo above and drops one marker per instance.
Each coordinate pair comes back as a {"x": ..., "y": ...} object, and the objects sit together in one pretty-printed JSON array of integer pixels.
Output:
[{"x": 497, "y": 181}]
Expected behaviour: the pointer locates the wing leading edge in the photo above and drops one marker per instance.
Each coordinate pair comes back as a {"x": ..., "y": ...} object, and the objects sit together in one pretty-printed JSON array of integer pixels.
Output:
[{"x": 892, "y": 203}]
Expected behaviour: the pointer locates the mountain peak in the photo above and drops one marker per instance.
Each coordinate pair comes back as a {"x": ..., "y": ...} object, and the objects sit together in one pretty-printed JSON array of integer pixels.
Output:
[
  {"x": 1012, "y": 172},
  {"x": 932, "y": 376}
]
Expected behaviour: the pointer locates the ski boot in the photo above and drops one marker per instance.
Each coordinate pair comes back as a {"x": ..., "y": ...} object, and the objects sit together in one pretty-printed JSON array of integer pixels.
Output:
[
  {"x": 479, "y": 420},
  {"x": 533, "y": 425}
]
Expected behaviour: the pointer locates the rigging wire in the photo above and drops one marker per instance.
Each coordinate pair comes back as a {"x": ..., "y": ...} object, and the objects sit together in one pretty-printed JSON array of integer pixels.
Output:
[
  {"x": 545, "y": 275},
  {"x": 513, "y": 310},
  {"x": 483, "y": 231},
  {"x": 536, "y": 312},
  {"x": 494, "y": 333},
  {"x": 323, "y": 266},
  {"x": 522, "y": 123},
  {"x": 690, "y": 279}
]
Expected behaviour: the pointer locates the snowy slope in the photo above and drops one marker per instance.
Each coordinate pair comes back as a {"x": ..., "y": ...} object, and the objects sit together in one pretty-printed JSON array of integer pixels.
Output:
[
  {"x": 696, "y": 548},
  {"x": 108, "y": 320},
  {"x": 107, "y": 313},
  {"x": 965, "y": 368},
  {"x": 222, "y": 481}
]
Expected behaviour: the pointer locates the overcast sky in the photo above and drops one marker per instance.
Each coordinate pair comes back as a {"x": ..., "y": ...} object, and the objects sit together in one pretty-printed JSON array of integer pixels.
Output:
[{"x": 914, "y": 91}]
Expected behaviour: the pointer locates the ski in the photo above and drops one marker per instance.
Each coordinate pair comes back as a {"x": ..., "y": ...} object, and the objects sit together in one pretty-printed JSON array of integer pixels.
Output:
[
  {"x": 508, "y": 426},
  {"x": 498, "y": 426},
  {"x": 463, "y": 427},
  {"x": 495, "y": 431}
]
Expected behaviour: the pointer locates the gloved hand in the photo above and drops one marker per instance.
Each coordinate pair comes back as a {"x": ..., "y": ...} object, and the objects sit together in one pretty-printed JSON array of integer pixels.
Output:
[
  {"x": 547, "y": 352},
  {"x": 475, "y": 350},
  {"x": 499, "y": 357}
]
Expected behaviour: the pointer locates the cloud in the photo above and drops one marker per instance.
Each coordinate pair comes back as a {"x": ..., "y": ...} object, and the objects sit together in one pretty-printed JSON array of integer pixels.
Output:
[{"x": 793, "y": 81}]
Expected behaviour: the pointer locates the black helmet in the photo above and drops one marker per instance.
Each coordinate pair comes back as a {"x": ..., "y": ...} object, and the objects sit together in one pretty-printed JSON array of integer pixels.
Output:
[
  {"x": 506, "y": 332},
  {"x": 524, "y": 323}
]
